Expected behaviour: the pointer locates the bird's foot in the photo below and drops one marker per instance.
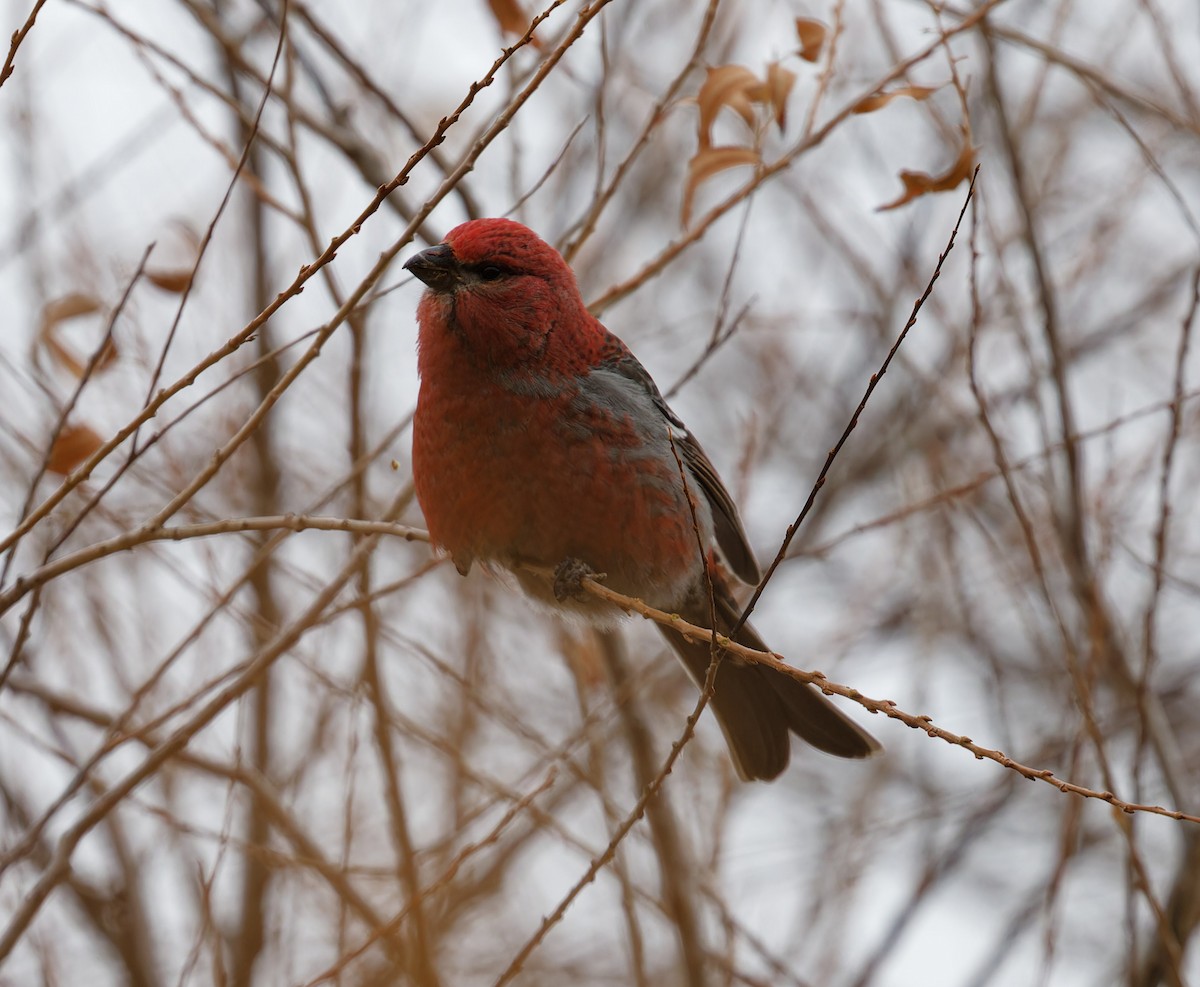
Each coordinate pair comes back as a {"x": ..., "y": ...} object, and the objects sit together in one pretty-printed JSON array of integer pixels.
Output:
[{"x": 569, "y": 575}]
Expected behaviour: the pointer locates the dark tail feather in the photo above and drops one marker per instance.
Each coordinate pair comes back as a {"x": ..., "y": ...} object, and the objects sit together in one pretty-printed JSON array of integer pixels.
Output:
[{"x": 758, "y": 707}]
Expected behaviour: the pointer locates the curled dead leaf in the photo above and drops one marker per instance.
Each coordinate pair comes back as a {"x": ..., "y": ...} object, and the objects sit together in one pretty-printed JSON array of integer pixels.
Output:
[
  {"x": 181, "y": 246},
  {"x": 73, "y": 445},
  {"x": 62, "y": 310},
  {"x": 880, "y": 100},
  {"x": 708, "y": 162},
  {"x": 68, "y": 307},
  {"x": 812, "y": 36},
  {"x": 176, "y": 282},
  {"x": 511, "y": 18},
  {"x": 726, "y": 85},
  {"x": 774, "y": 91},
  {"x": 917, "y": 183}
]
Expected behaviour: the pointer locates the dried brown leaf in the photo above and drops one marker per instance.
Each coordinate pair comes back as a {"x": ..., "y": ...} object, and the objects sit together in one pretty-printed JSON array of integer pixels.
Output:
[
  {"x": 509, "y": 16},
  {"x": 774, "y": 91},
  {"x": 711, "y": 161},
  {"x": 175, "y": 281},
  {"x": 54, "y": 315},
  {"x": 73, "y": 445},
  {"x": 812, "y": 38},
  {"x": 726, "y": 85},
  {"x": 68, "y": 307},
  {"x": 880, "y": 100},
  {"x": 108, "y": 355},
  {"x": 917, "y": 183}
]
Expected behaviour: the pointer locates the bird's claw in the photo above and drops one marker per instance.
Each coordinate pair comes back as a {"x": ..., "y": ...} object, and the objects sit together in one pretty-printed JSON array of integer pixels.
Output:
[{"x": 569, "y": 575}]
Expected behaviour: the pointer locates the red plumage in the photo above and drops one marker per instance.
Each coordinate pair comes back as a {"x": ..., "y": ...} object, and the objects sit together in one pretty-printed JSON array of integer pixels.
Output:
[{"x": 538, "y": 438}]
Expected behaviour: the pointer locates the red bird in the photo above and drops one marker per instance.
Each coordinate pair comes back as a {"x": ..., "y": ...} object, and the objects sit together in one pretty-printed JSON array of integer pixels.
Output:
[{"x": 539, "y": 438}]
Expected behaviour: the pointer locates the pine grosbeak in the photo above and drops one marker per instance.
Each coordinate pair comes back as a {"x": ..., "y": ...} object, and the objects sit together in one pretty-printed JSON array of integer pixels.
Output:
[{"x": 539, "y": 438}]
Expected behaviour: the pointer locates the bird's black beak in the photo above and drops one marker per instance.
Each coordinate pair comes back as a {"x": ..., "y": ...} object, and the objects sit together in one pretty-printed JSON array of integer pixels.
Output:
[{"x": 437, "y": 267}]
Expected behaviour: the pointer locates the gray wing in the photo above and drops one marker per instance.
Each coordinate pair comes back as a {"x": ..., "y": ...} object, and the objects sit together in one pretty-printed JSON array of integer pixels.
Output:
[{"x": 730, "y": 535}]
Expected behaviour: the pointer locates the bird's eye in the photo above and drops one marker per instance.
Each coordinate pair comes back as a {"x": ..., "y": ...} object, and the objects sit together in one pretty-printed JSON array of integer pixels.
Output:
[{"x": 491, "y": 273}]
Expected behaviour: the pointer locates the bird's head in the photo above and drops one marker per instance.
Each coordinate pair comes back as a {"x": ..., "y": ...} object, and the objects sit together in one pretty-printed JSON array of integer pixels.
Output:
[{"x": 501, "y": 288}]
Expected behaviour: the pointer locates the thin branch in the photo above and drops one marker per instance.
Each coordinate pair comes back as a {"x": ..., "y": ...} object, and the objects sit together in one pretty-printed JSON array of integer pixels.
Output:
[
  {"x": 876, "y": 377},
  {"x": 18, "y": 36}
]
